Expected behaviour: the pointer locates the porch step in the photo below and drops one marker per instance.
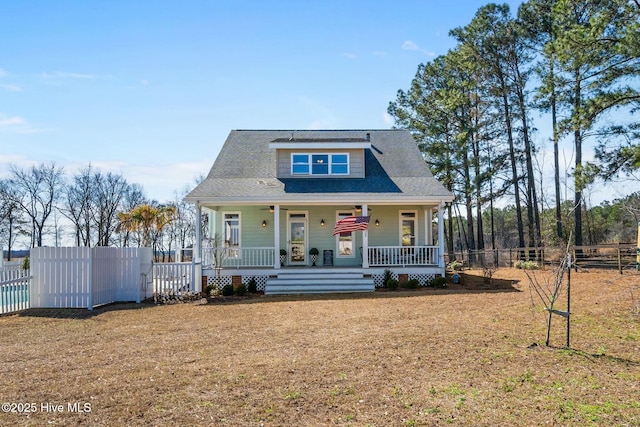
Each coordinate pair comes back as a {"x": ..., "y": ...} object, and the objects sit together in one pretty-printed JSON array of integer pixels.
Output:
[{"x": 313, "y": 282}]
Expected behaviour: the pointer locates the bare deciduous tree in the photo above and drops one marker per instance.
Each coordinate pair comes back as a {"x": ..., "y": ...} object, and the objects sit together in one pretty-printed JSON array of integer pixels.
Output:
[{"x": 36, "y": 191}]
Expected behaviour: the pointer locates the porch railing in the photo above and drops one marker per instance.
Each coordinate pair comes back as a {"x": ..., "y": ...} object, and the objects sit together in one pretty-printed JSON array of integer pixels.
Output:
[
  {"x": 380, "y": 256},
  {"x": 238, "y": 257}
]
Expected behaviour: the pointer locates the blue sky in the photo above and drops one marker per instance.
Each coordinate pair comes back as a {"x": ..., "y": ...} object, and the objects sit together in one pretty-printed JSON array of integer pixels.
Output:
[{"x": 151, "y": 89}]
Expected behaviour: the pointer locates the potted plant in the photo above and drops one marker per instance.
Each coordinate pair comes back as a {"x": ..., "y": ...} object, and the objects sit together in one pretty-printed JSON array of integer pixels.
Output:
[
  {"x": 283, "y": 256},
  {"x": 314, "y": 255}
]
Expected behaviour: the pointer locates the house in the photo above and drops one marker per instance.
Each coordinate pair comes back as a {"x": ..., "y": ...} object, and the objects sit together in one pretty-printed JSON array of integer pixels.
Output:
[{"x": 273, "y": 192}]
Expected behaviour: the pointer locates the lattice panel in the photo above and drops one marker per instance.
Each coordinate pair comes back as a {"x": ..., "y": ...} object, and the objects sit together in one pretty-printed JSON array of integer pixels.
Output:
[
  {"x": 261, "y": 281},
  {"x": 424, "y": 279},
  {"x": 378, "y": 279},
  {"x": 224, "y": 280}
]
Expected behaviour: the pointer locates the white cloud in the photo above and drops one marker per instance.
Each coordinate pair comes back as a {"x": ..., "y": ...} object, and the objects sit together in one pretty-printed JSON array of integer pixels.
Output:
[
  {"x": 6, "y": 121},
  {"x": 159, "y": 181},
  {"x": 349, "y": 55},
  {"x": 318, "y": 124},
  {"x": 13, "y": 159},
  {"x": 380, "y": 53},
  {"x": 387, "y": 119},
  {"x": 17, "y": 124},
  {"x": 411, "y": 45},
  {"x": 145, "y": 82},
  {"x": 25, "y": 130},
  {"x": 3, "y": 73},
  {"x": 68, "y": 75},
  {"x": 10, "y": 88},
  {"x": 321, "y": 116}
]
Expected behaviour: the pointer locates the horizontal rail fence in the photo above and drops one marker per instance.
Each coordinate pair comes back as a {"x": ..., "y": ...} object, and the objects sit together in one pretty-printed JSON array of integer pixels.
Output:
[
  {"x": 81, "y": 277},
  {"x": 618, "y": 256},
  {"x": 403, "y": 256},
  {"x": 173, "y": 278},
  {"x": 14, "y": 290}
]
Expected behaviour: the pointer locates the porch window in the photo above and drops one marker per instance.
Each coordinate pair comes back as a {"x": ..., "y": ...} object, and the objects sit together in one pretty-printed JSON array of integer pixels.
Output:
[
  {"x": 408, "y": 228},
  {"x": 232, "y": 232},
  {"x": 345, "y": 242}
]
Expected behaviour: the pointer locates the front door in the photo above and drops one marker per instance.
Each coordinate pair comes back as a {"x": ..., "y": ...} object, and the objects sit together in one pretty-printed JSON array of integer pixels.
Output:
[{"x": 297, "y": 238}]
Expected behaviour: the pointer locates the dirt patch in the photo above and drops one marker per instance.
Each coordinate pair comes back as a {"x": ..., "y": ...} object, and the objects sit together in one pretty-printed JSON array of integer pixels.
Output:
[{"x": 463, "y": 355}]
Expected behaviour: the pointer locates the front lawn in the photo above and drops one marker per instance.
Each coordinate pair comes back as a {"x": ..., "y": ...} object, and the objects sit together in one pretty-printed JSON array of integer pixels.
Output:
[{"x": 454, "y": 356}]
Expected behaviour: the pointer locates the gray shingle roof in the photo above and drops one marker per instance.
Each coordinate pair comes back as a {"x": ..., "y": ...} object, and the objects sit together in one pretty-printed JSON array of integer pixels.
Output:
[{"x": 245, "y": 170}]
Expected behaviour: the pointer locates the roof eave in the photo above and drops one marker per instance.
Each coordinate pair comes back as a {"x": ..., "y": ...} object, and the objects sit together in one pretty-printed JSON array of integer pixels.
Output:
[
  {"x": 321, "y": 200},
  {"x": 319, "y": 145}
]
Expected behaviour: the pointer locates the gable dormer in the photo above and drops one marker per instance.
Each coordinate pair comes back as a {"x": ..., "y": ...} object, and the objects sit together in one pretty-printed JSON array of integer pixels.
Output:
[{"x": 320, "y": 157}]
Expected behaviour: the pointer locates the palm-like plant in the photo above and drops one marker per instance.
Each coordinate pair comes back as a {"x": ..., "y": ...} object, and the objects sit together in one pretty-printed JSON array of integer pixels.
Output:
[{"x": 144, "y": 219}]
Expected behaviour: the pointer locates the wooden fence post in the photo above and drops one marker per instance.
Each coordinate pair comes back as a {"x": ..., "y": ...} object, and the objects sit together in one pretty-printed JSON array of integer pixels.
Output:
[{"x": 619, "y": 259}]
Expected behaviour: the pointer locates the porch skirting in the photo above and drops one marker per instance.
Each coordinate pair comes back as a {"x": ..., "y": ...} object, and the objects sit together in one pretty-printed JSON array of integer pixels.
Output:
[{"x": 307, "y": 275}]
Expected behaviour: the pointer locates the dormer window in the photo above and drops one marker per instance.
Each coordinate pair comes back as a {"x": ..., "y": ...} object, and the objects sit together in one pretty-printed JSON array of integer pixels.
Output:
[
  {"x": 300, "y": 164},
  {"x": 320, "y": 164}
]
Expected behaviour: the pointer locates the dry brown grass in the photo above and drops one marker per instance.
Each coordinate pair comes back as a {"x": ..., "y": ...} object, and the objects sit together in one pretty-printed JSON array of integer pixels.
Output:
[{"x": 457, "y": 356}]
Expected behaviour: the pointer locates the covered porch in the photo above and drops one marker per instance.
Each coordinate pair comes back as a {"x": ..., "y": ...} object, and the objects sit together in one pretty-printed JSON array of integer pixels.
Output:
[
  {"x": 280, "y": 236},
  {"x": 282, "y": 241}
]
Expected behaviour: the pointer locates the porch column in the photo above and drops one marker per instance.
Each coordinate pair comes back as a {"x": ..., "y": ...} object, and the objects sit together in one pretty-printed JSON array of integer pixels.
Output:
[
  {"x": 365, "y": 241},
  {"x": 196, "y": 259},
  {"x": 441, "y": 234},
  {"x": 276, "y": 235},
  {"x": 197, "y": 246},
  {"x": 428, "y": 226},
  {"x": 212, "y": 222}
]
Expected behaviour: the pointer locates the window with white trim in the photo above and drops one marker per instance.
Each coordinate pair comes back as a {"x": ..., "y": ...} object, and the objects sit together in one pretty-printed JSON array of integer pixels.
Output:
[
  {"x": 231, "y": 225},
  {"x": 299, "y": 164},
  {"x": 320, "y": 164},
  {"x": 408, "y": 228},
  {"x": 344, "y": 242}
]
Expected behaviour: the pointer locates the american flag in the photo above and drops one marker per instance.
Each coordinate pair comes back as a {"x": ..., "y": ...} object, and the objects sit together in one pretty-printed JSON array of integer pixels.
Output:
[{"x": 351, "y": 223}]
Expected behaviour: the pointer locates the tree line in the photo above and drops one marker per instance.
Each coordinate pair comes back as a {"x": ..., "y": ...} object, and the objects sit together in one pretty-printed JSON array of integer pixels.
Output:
[
  {"x": 610, "y": 222},
  {"x": 92, "y": 208},
  {"x": 574, "y": 63}
]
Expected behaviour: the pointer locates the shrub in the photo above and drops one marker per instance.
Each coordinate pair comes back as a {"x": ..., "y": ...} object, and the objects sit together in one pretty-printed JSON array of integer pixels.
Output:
[
  {"x": 392, "y": 284},
  {"x": 25, "y": 263},
  {"x": 438, "y": 282},
  {"x": 252, "y": 286},
  {"x": 313, "y": 251},
  {"x": 208, "y": 289},
  {"x": 386, "y": 276},
  {"x": 227, "y": 290},
  {"x": 531, "y": 265},
  {"x": 456, "y": 265},
  {"x": 413, "y": 284},
  {"x": 241, "y": 290},
  {"x": 526, "y": 265}
]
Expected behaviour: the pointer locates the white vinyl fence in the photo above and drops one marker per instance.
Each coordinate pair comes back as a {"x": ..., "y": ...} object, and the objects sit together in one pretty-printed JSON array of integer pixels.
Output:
[
  {"x": 14, "y": 290},
  {"x": 173, "y": 278},
  {"x": 80, "y": 277}
]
